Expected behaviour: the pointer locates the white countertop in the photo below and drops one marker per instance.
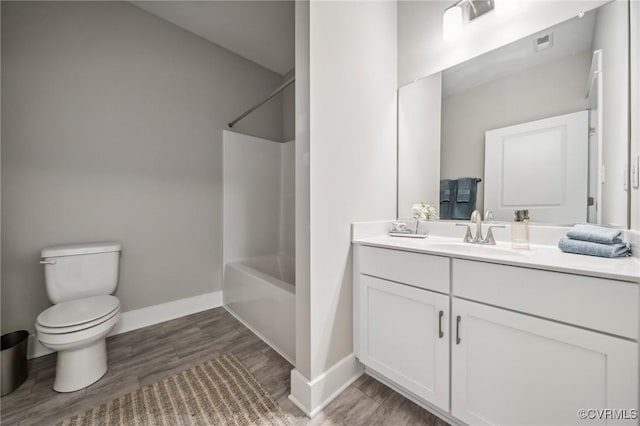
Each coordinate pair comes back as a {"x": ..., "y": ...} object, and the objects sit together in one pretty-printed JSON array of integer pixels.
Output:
[{"x": 538, "y": 257}]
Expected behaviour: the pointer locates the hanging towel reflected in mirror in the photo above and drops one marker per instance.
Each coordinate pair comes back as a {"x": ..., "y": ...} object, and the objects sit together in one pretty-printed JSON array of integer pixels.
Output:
[{"x": 464, "y": 200}]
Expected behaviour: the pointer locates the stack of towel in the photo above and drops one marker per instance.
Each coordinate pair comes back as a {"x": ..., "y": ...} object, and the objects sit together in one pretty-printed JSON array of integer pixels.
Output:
[
  {"x": 458, "y": 197},
  {"x": 594, "y": 241}
]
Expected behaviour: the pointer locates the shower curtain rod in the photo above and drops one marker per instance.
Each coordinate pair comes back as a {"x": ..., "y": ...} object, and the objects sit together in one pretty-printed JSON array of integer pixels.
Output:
[{"x": 265, "y": 100}]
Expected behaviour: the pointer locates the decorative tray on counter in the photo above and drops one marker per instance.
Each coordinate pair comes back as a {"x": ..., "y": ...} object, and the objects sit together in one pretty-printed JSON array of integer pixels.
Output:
[{"x": 407, "y": 235}]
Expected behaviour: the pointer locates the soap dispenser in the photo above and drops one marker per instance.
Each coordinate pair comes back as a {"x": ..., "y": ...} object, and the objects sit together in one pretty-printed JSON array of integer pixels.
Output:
[{"x": 520, "y": 230}]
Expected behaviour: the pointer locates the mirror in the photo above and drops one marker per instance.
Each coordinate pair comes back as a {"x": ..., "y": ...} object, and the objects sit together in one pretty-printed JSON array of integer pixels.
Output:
[{"x": 539, "y": 124}]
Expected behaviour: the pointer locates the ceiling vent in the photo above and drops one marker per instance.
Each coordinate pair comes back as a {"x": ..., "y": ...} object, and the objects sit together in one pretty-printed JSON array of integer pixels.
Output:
[{"x": 543, "y": 42}]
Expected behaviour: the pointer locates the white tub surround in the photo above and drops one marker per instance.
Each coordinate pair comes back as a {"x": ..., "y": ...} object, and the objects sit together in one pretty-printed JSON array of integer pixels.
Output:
[
  {"x": 259, "y": 231},
  {"x": 279, "y": 266},
  {"x": 260, "y": 293},
  {"x": 505, "y": 334},
  {"x": 258, "y": 190}
]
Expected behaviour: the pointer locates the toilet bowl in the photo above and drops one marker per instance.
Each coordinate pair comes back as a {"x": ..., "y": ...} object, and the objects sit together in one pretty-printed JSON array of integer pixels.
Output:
[
  {"x": 79, "y": 279},
  {"x": 77, "y": 330}
]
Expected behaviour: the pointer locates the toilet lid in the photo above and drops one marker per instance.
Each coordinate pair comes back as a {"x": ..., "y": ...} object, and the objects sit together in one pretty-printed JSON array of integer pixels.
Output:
[{"x": 79, "y": 311}]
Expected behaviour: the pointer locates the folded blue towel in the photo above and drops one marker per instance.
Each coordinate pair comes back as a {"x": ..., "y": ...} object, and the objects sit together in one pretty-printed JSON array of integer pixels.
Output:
[
  {"x": 595, "y": 234},
  {"x": 594, "y": 249}
]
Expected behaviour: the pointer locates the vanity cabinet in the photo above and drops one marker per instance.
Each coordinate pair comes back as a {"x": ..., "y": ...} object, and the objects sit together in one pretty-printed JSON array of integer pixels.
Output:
[
  {"x": 509, "y": 368},
  {"x": 414, "y": 269},
  {"x": 486, "y": 343},
  {"x": 403, "y": 324},
  {"x": 599, "y": 304},
  {"x": 404, "y": 336}
]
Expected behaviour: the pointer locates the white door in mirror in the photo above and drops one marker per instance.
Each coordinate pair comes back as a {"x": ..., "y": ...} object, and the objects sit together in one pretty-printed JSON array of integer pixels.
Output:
[{"x": 540, "y": 166}]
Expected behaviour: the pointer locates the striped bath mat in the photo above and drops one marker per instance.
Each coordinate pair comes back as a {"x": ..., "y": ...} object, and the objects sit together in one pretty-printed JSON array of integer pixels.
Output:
[{"x": 218, "y": 392}]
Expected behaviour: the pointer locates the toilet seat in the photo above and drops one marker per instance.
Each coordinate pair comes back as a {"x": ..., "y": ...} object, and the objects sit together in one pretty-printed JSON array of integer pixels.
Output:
[{"x": 77, "y": 315}]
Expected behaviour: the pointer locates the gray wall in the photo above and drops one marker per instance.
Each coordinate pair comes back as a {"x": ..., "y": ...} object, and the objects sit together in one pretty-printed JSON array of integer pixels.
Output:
[
  {"x": 112, "y": 130},
  {"x": 543, "y": 91},
  {"x": 611, "y": 34}
]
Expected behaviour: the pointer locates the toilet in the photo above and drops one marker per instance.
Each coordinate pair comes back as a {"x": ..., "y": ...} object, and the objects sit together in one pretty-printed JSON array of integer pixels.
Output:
[{"x": 79, "y": 280}]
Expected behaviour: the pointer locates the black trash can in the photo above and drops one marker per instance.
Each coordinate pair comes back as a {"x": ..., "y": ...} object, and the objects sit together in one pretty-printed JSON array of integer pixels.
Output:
[{"x": 13, "y": 358}]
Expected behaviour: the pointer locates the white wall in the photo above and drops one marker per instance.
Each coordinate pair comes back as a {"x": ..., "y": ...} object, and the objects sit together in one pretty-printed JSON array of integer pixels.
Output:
[
  {"x": 112, "y": 131},
  {"x": 253, "y": 196},
  {"x": 547, "y": 90},
  {"x": 611, "y": 34},
  {"x": 422, "y": 50},
  {"x": 635, "y": 106},
  {"x": 353, "y": 154},
  {"x": 345, "y": 170},
  {"x": 346, "y": 122},
  {"x": 303, "y": 189}
]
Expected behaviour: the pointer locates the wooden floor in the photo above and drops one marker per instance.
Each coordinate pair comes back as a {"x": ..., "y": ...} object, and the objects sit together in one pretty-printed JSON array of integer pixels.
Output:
[{"x": 150, "y": 354}]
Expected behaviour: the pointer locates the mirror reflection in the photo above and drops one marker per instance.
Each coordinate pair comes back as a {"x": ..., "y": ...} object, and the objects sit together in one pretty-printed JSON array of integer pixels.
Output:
[{"x": 540, "y": 124}]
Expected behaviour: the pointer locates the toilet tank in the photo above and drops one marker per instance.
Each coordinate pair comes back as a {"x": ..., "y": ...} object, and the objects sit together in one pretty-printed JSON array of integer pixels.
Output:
[{"x": 80, "y": 270}]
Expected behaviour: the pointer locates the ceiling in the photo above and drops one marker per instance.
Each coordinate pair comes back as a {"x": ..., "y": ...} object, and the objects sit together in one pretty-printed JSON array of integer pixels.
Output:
[
  {"x": 261, "y": 31},
  {"x": 569, "y": 37}
]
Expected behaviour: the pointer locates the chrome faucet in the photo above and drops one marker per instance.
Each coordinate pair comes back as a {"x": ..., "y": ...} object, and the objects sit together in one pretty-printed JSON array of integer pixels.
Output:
[
  {"x": 476, "y": 217},
  {"x": 467, "y": 235},
  {"x": 489, "y": 240}
]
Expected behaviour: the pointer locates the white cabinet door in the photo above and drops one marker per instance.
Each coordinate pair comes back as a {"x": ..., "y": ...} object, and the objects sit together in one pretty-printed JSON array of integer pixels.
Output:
[
  {"x": 404, "y": 335},
  {"x": 513, "y": 369},
  {"x": 540, "y": 166}
]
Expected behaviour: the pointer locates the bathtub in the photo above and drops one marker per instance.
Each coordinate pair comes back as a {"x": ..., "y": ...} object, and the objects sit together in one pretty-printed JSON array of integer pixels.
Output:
[{"x": 260, "y": 292}]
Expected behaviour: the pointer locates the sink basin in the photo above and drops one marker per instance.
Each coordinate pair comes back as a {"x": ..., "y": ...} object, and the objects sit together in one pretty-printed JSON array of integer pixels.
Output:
[{"x": 477, "y": 249}]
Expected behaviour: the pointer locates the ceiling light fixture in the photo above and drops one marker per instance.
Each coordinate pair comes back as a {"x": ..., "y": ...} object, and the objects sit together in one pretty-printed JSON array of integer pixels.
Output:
[
  {"x": 452, "y": 23},
  {"x": 465, "y": 11}
]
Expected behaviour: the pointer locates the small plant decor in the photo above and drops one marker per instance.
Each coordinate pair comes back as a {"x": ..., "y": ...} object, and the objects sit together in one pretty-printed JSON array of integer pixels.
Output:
[{"x": 423, "y": 211}]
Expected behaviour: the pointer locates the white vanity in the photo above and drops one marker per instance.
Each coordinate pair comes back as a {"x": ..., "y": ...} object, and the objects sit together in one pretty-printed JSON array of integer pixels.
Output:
[{"x": 490, "y": 335}]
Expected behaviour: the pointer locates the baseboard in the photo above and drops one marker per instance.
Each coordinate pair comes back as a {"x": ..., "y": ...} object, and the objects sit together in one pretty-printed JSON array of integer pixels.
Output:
[
  {"x": 150, "y": 315},
  {"x": 312, "y": 396},
  {"x": 35, "y": 348},
  {"x": 273, "y": 346}
]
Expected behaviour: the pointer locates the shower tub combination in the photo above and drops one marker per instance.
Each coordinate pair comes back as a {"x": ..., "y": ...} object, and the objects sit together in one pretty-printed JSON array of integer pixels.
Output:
[{"x": 260, "y": 293}]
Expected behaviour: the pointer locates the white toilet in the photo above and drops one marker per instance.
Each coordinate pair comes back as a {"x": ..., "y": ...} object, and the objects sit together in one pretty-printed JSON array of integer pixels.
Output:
[{"x": 79, "y": 280}]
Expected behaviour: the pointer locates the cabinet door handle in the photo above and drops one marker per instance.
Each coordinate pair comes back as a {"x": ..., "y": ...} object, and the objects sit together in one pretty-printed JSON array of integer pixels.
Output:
[
  {"x": 458, "y": 319},
  {"x": 440, "y": 332}
]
